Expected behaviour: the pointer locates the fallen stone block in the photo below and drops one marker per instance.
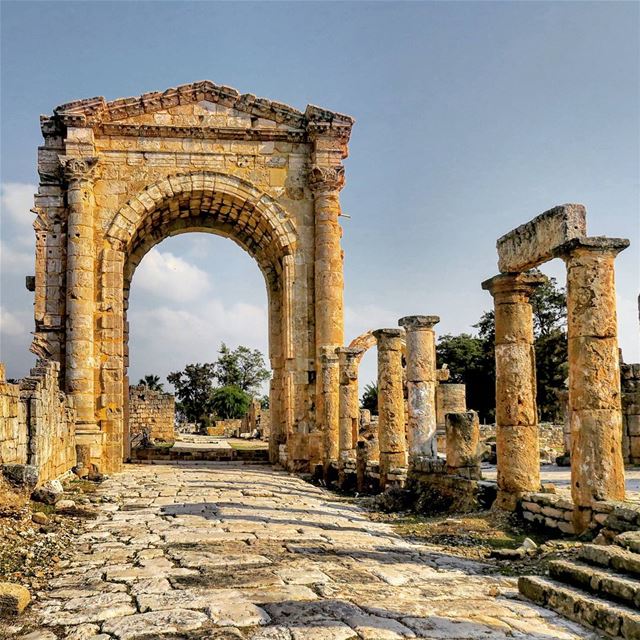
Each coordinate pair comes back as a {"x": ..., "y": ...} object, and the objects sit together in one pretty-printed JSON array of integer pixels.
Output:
[{"x": 13, "y": 598}]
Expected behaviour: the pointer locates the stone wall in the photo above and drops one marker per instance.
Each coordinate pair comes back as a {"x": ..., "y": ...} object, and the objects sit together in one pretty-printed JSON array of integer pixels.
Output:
[
  {"x": 225, "y": 428},
  {"x": 152, "y": 410},
  {"x": 38, "y": 422},
  {"x": 630, "y": 374},
  {"x": 551, "y": 438},
  {"x": 13, "y": 427},
  {"x": 556, "y": 512}
]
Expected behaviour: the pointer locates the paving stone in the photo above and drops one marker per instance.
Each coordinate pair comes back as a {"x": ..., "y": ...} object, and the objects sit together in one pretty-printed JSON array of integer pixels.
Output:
[
  {"x": 156, "y": 622},
  {"x": 245, "y": 552}
]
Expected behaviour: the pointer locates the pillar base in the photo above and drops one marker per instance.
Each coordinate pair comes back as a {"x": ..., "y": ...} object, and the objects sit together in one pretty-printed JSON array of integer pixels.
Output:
[
  {"x": 91, "y": 437},
  {"x": 506, "y": 501}
]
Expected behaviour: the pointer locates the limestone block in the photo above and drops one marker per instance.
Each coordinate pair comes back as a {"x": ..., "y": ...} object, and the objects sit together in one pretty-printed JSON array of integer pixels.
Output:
[
  {"x": 596, "y": 476},
  {"x": 534, "y": 242},
  {"x": 450, "y": 398},
  {"x": 13, "y": 598},
  {"x": 517, "y": 446},
  {"x": 596, "y": 367},
  {"x": 515, "y": 384},
  {"x": 463, "y": 437}
]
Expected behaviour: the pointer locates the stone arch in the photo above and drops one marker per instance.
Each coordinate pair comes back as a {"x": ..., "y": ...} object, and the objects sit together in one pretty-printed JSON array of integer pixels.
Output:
[
  {"x": 215, "y": 203},
  {"x": 366, "y": 340}
]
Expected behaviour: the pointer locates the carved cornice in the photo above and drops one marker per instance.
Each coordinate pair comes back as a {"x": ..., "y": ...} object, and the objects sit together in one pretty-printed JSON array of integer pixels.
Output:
[
  {"x": 326, "y": 179},
  {"x": 339, "y": 131},
  {"x": 199, "y": 133},
  {"x": 78, "y": 169},
  {"x": 96, "y": 111}
]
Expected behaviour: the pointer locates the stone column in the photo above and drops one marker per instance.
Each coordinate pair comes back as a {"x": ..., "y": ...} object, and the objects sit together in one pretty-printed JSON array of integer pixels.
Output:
[
  {"x": 392, "y": 439},
  {"x": 349, "y": 407},
  {"x": 451, "y": 397},
  {"x": 326, "y": 182},
  {"x": 463, "y": 436},
  {"x": 516, "y": 412},
  {"x": 80, "y": 357},
  {"x": 597, "y": 469},
  {"x": 330, "y": 374},
  {"x": 421, "y": 385}
]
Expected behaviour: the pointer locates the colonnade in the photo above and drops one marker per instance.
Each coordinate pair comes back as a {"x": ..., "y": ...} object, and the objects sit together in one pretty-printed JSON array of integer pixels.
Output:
[{"x": 594, "y": 397}]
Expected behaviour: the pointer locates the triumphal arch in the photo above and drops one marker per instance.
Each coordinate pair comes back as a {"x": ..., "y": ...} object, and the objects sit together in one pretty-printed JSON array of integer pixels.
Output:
[{"x": 116, "y": 178}]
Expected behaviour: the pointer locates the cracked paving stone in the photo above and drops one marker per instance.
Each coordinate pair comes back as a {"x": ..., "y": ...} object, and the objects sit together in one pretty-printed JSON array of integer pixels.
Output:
[{"x": 156, "y": 622}]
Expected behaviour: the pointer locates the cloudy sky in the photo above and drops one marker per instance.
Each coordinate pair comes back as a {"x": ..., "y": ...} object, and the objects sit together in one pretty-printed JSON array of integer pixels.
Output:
[{"x": 471, "y": 119}]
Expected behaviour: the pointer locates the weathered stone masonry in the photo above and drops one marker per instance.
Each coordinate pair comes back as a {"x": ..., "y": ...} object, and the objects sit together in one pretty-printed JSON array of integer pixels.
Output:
[
  {"x": 37, "y": 425},
  {"x": 154, "y": 411},
  {"x": 118, "y": 177}
]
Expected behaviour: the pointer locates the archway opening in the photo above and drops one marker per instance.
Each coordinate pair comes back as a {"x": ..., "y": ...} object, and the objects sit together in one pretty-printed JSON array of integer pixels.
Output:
[
  {"x": 227, "y": 207},
  {"x": 190, "y": 296}
]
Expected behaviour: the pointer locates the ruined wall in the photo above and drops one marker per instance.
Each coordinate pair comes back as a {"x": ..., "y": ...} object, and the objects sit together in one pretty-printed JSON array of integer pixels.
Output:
[
  {"x": 13, "y": 428},
  {"x": 152, "y": 410},
  {"x": 38, "y": 422},
  {"x": 551, "y": 438},
  {"x": 630, "y": 374}
]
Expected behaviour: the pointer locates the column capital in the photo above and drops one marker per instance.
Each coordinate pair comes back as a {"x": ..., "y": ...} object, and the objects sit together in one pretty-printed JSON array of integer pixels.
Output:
[
  {"x": 328, "y": 354},
  {"x": 78, "y": 169},
  {"x": 414, "y": 323},
  {"x": 510, "y": 284},
  {"x": 594, "y": 244},
  {"x": 347, "y": 354},
  {"x": 324, "y": 180},
  {"x": 389, "y": 338}
]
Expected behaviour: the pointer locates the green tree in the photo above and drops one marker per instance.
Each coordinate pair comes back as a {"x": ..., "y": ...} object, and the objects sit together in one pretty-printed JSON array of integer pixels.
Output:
[
  {"x": 194, "y": 386},
  {"x": 549, "y": 303},
  {"x": 152, "y": 381},
  {"x": 264, "y": 401},
  {"x": 241, "y": 367},
  {"x": 230, "y": 402},
  {"x": 470, "y": 361},
  {"x": 370, "y": 398}
]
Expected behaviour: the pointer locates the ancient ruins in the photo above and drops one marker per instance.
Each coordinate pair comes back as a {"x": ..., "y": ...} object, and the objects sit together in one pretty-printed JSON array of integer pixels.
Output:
[{"x": 117, "y": 178}]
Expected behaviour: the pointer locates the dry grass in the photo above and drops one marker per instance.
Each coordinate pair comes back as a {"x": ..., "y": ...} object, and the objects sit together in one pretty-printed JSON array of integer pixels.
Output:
[{"x": 12, "y": 501}]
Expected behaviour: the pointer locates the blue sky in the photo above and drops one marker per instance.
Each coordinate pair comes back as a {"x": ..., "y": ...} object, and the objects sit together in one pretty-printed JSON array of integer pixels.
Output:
[{"x": 471, "y": 119}]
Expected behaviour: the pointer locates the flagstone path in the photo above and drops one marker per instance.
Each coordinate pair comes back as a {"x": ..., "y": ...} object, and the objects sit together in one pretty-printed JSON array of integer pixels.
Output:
[{"x": 219, "y": 551}]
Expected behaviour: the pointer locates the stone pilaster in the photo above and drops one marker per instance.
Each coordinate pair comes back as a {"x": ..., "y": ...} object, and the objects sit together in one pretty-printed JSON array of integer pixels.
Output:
[
  {"x": 80, "y": 294},
  {"x": 330, "y": 375},
  {"x": 597, "y": 469},
  {"x": 392, "y": 439},
  {"x": 421, "y": 385},
  {"x": 516, "y": 412}
]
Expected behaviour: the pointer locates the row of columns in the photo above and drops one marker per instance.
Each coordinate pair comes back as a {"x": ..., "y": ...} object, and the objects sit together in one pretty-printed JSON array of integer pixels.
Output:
[
  {"x": 341, "y": 415},
  {"x": 597, "y": 468}
]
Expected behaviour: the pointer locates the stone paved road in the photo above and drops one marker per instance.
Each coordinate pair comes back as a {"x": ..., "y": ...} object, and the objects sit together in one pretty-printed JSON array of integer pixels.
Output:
[{"x": 223, "y": 551}]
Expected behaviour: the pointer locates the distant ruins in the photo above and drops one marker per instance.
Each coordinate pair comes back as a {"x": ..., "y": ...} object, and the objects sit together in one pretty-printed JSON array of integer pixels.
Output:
[{"x": 118, "y": 177}]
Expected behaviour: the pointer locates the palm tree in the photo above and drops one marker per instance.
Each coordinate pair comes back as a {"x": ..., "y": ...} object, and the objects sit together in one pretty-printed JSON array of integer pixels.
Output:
[{"x": 152, "y": 382}]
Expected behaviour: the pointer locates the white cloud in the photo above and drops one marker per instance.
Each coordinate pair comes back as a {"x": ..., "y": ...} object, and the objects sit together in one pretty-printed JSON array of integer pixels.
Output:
[
  {"x": 15, "y": 323},
  {"x": 15, "y": 260},
  {"x": 171, "y": 277},
  {"x": 16, "y": 200},
  {"x": 163, "y": 339}
]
